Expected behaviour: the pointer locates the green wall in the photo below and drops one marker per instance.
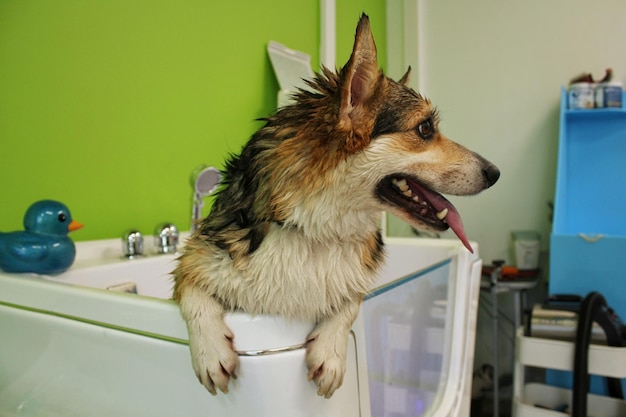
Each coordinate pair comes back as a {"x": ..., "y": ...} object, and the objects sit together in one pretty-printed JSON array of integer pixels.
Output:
[{"x": 108, "y": 106}]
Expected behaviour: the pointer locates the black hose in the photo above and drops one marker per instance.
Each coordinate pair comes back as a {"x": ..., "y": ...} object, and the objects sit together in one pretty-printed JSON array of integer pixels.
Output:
[
  {"x": 611, "y": 324},
  {"x": 580, "y": 386},
  {"x": 593, "y": 308}
]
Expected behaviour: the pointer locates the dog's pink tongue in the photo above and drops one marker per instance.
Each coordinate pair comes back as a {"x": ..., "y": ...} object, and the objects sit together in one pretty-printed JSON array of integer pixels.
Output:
[{"x": 453, "y": 218}]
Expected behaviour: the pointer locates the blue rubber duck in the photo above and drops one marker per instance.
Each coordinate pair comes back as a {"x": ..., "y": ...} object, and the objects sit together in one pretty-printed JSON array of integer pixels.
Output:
[{"x": 43, "y": 247}]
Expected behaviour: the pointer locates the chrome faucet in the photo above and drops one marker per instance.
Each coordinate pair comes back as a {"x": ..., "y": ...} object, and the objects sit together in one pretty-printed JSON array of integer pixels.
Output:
[
  {"x": 204, "y": 180},
  {"x": 166, "y": 238},
  {"x": 133, "y": 244}
]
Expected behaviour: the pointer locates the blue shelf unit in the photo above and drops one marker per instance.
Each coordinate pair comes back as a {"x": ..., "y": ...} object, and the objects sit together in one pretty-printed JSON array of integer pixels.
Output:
[{"x": 588, "y": 240}]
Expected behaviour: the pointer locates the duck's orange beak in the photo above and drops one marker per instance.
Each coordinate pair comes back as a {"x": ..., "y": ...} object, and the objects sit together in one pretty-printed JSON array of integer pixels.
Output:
[{"x": 74, "y": 225}]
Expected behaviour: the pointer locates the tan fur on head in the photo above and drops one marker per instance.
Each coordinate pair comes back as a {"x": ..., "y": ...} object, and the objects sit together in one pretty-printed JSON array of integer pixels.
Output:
[{"x": 294, "y": 230}]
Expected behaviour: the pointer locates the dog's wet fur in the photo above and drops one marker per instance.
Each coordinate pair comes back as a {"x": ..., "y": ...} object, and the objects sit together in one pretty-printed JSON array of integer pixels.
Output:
[{"x": 294, "y": 229}]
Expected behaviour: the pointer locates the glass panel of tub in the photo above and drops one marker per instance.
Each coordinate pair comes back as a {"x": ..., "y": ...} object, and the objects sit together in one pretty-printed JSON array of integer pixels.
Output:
[{"x": 104, "y": 339}]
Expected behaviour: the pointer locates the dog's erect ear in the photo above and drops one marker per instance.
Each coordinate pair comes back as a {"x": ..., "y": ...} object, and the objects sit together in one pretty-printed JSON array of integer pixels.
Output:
[
  {"x": 406, "y": 78},
  {"x": 358, "y": 82}
]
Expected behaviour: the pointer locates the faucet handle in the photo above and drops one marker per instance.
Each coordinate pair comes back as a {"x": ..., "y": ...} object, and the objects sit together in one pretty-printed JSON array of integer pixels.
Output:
[
  {"x": 133, "y": 244},
  {"x": 166, "y": 238}
]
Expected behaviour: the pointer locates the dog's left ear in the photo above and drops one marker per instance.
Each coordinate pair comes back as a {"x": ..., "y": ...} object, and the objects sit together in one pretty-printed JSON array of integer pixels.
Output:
[
  {"x": 359, "y": 79},
  {"x": 406, "y": 77}
]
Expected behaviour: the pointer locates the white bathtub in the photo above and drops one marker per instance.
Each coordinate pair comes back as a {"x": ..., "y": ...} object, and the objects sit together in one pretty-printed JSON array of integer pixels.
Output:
[{"x": 70, "y": 347}]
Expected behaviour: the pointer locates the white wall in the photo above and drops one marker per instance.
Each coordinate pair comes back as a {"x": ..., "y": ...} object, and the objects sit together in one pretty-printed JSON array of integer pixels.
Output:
[{"x": 494, "y": 68}]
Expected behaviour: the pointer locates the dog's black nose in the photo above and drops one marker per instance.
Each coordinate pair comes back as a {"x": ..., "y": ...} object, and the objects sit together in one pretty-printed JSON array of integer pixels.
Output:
[{"x": 491, "y": 173}]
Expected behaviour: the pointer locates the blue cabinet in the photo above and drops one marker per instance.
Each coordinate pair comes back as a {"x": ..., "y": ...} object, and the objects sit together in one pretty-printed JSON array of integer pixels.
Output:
[{"x": 588, "y": 241}]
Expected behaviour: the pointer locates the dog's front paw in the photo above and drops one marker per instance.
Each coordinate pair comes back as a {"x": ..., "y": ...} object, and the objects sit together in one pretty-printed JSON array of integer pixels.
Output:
[
  {"x": 326, "y": 363},
  {"x": 214, "y": 358}
]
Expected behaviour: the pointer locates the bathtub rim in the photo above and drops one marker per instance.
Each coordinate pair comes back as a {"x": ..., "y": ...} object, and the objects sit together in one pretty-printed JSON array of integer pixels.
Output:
[{"x": 160, "y": 318}]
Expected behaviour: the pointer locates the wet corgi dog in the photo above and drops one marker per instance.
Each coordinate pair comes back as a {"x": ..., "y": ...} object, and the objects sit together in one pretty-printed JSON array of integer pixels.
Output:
[{"x": 294, "y": 229}]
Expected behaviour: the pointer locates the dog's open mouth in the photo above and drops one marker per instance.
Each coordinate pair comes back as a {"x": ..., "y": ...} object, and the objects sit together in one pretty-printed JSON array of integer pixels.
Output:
[{"x": 422, "y": 204}]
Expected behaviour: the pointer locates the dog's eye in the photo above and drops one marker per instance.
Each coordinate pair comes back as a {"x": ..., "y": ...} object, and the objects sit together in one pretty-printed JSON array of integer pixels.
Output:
[{"x": 426, "y": 129}]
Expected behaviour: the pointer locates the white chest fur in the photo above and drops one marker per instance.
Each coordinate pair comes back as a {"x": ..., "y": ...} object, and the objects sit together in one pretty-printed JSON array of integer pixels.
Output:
[{"x": 293, "y": 276}]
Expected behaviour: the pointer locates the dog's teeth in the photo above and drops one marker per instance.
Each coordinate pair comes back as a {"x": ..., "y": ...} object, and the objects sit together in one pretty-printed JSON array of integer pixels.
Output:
[
  {"x": 424, "y": 212},
  {"x": 408, "y": 193},
  {"x": 401, "y": 184},
  {"x": 442, "y": 214},
  {"x": 416, "y": 199}
]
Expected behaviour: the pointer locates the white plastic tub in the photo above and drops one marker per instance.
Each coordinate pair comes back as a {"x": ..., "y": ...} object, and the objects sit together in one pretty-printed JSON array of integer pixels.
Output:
[{"x": 70, "y": 347}]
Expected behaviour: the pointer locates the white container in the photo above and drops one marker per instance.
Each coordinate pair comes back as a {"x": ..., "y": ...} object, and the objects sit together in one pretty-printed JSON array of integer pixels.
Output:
[
  {"x": 526, "y": 248},
  {"x": 609, "y": 94},
  {"x": 581, "y": 96}
]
